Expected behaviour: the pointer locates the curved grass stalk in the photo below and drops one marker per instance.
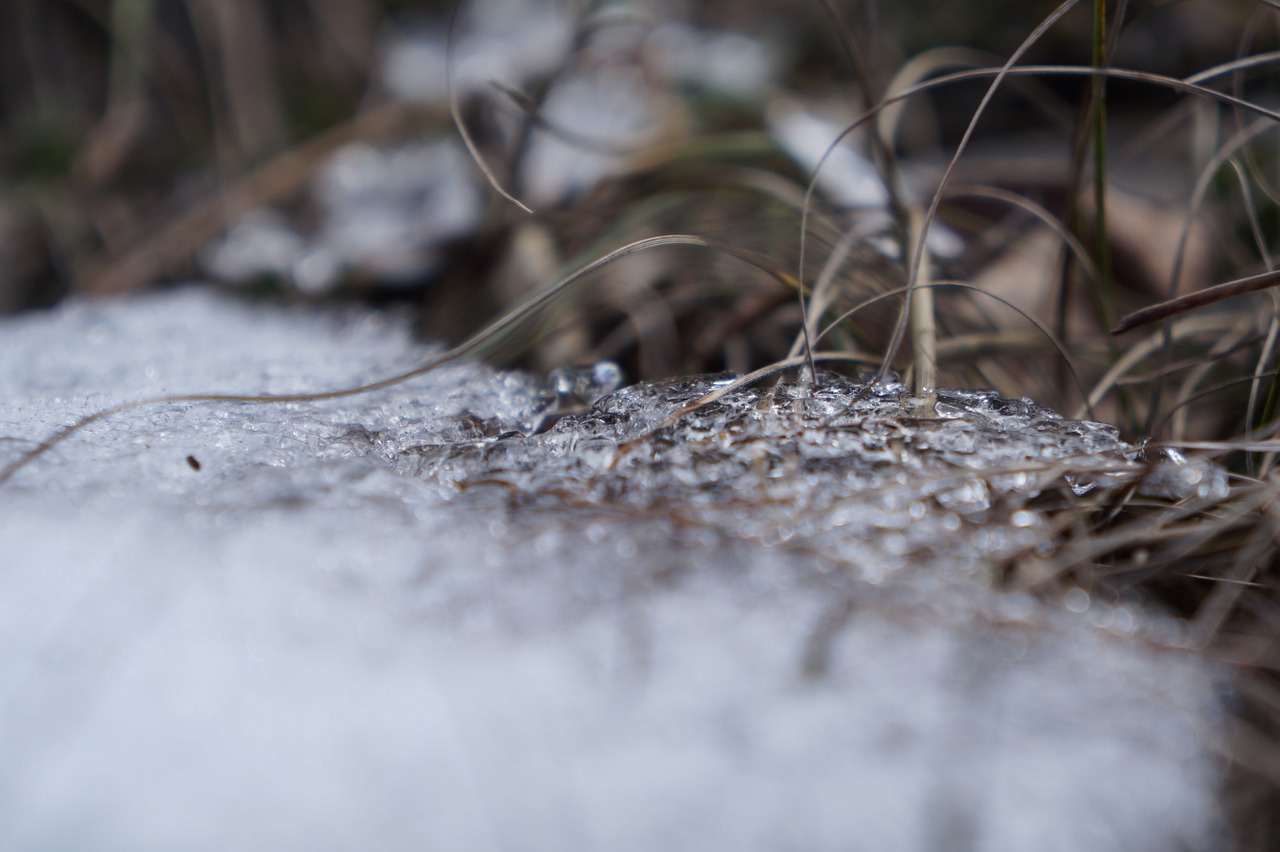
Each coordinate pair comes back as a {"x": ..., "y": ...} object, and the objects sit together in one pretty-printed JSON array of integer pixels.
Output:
[
  {"x": 456, "y": 113},
  {"x": 1250, "y": 34},
  {"x": 924, "y": 326},
  {"x": 1160, "y": 424},
  {"x": 1191, "y": 86},
  {"x": 918, "y": 260},
  {"x": 881, "y": 147},
  {"x": 964, "y": 285},
  {"x": 1070, "y": 240},
  {"x": 1135, "y": 353},
  {"x": 1171, "y": 83},
  {"x": 1206, "y": 295},
  {"x": 476, "y": 343},
  {"x": 1273, "y": 327},
  {"x": 1198, "y": 299},
  {"x": 822, "y": 295},
  {"x": 921, "y": 66},
  {"x": 1178, "y": 423},
  {"x": 1246, "y": 63}
]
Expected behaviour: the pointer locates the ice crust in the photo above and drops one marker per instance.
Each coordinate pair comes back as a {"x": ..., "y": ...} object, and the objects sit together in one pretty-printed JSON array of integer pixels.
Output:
[{"x": 450, "y": 615}]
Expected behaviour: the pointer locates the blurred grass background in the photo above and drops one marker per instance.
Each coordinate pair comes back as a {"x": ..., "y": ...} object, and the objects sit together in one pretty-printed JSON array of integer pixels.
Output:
[
  {"x": 137, "y": 134},
  {"x": 118, "y": 117}
]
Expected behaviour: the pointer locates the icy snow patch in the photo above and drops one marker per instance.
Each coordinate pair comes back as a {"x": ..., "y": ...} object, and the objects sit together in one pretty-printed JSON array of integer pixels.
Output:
[
  {"x": 382, "y": 213},
  {"x": 410, "y": 620},
  {"x": 504, "y": 40}
]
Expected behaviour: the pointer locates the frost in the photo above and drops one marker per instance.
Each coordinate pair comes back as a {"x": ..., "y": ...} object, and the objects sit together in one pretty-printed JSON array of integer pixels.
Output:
[{"x": 437, "y": 617}]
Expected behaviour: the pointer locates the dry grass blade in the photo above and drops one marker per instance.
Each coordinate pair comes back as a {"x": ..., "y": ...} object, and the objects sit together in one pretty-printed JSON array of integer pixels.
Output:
[
  {"x": 917, "y": 264},
  {"x": 823, "y": 294},
  {"x": 1159, "y": 425},
  {"x": 1198, "y": 299},
  {"x": 932, "y": 62},
  {"x": 924, "y": 327},
  {"x": 456, "y": 112},
  {"x": 964, "y": 285},
  {"x": 1199, "y": 372},
  {"x": 1183, "y": 523},
  {"x": 1167, "y": 82},
  {"x": 1038, "y": 211},
  {"x": 1171, "y": 83},
  {"x": 1184, "y": 328},
  {"x": 478, "y": 342},
  {"x": 1229, "y": 588},
  {"x": 1257, "y": 60}
]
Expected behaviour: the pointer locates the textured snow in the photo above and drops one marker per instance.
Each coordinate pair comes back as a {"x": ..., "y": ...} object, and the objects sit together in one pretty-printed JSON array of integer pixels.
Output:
[{"x": 434, "y": 617}]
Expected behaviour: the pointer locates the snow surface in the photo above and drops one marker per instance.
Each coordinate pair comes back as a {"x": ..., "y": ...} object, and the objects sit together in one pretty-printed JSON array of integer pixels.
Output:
[{"x": 354, "y": 627}]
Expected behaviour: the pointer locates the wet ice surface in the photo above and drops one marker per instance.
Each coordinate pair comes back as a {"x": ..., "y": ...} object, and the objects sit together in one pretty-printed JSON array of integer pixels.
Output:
[{"x": 442, "y": 617}]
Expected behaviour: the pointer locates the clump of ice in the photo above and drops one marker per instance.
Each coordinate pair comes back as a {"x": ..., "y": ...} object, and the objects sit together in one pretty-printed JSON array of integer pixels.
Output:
[
  {"x": 383, "y": 213},
  {"x": 837, "y": 471},
  {"x": 599, "y": 115},
  {"x": 262, "y": 243},
  {"x": 435, "y": 617},
  {"x": 508, "y": 41},
  {"x": 720, "y": 62},
  {"x": 848, "y": 177}
]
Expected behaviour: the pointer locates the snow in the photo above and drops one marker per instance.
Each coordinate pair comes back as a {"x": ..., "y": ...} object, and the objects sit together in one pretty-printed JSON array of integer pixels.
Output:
[
  {"x": 508, "y": 41},
  {"x": 382, "y": 213},
  {"x": 388, "y": 622}
]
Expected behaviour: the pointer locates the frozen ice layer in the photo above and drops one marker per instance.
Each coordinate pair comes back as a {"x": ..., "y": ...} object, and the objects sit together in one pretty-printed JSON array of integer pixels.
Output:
[
  {"x": 831, "y": 469},
  {"x": 453, "y": 614}
]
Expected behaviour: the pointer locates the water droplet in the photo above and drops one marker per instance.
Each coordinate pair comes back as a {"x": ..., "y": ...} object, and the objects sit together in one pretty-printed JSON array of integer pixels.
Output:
[
  {"x": 1079, "y": 486},
  {"x": 1076, "y": 600},
  {"x": 585, "y": 384}
]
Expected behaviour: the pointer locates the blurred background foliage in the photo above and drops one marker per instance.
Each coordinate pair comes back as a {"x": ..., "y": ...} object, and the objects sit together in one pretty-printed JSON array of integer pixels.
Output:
[{"x": 136, "y": 135}]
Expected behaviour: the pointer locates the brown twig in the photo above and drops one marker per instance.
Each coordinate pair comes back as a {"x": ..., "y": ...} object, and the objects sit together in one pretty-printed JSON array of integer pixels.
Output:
[{"x": 1198, "y": 299}]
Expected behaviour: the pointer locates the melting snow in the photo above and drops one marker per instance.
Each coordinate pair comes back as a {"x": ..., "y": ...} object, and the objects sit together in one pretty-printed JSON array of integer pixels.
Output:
[{"x": 437, "y": 617}]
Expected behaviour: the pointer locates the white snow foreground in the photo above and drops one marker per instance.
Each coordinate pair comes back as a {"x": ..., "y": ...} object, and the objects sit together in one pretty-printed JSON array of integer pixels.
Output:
[{"x": 336, "y": 635}]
